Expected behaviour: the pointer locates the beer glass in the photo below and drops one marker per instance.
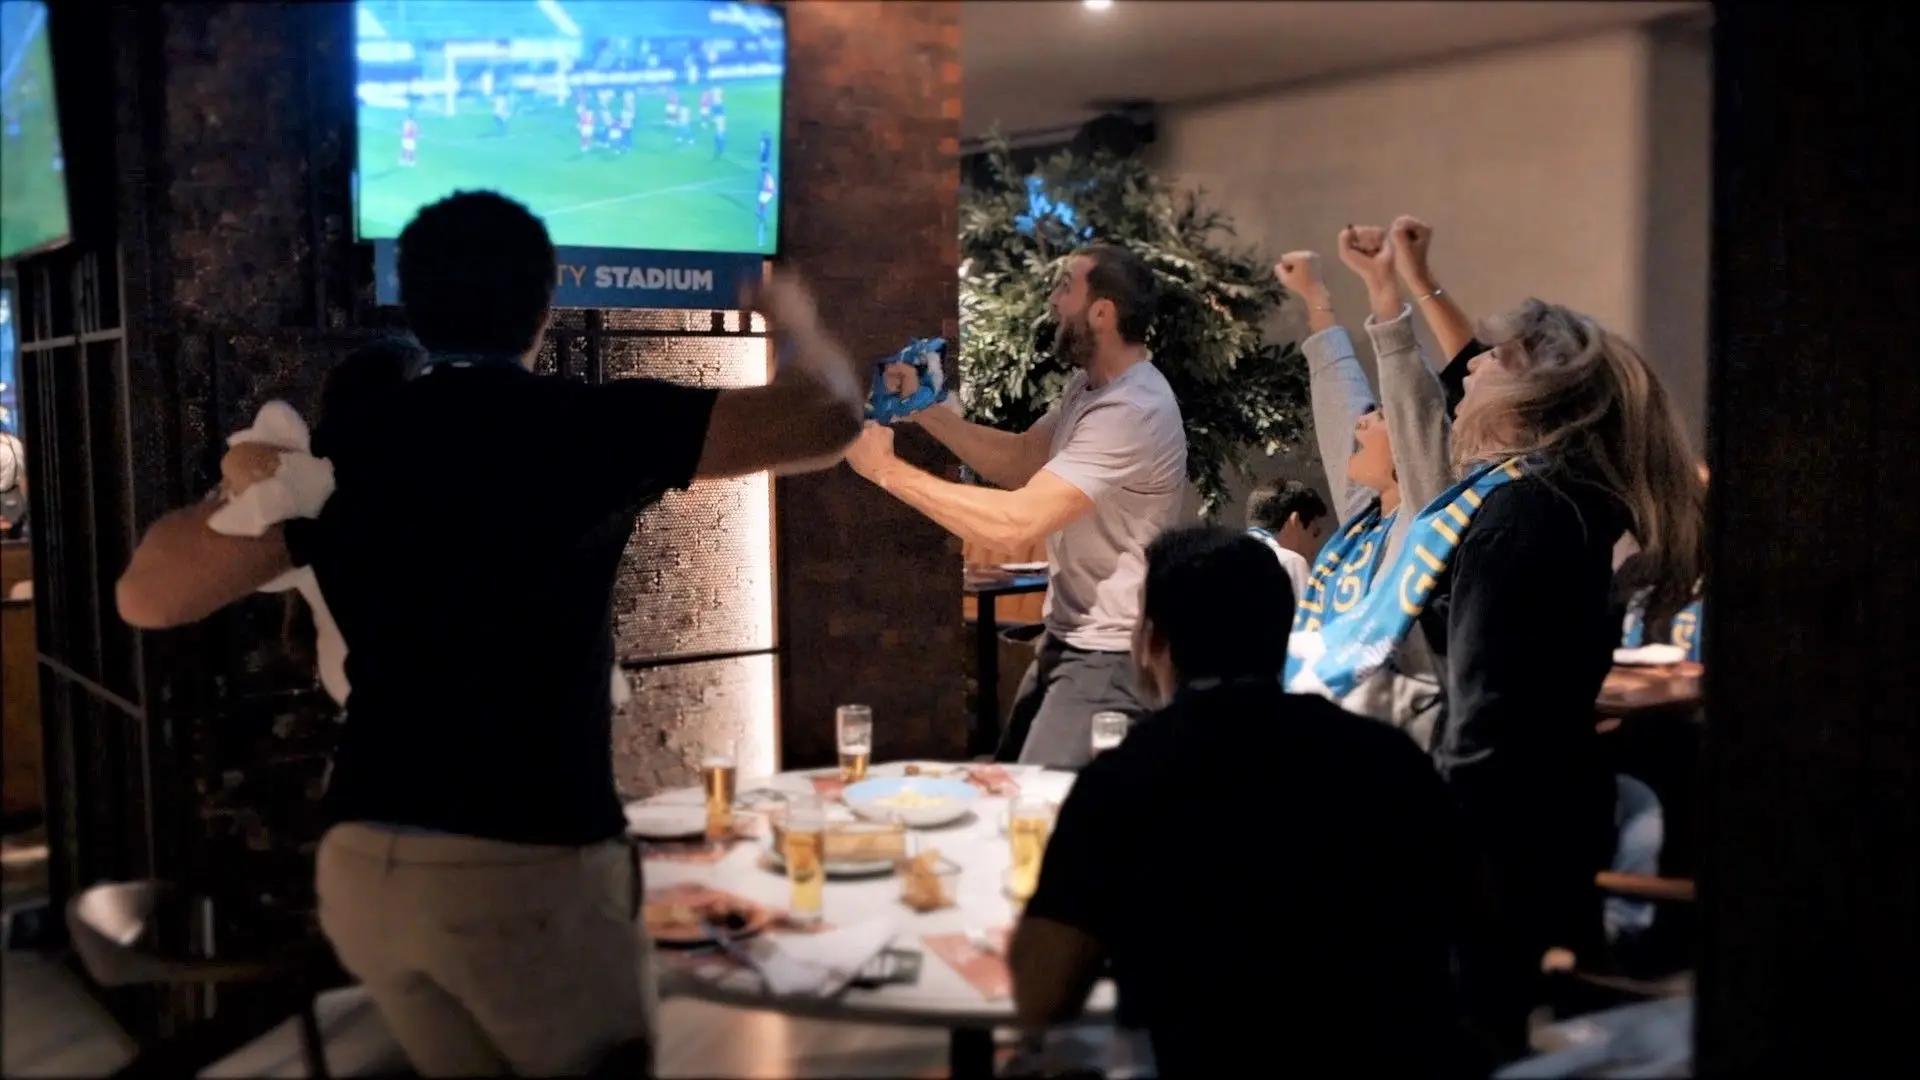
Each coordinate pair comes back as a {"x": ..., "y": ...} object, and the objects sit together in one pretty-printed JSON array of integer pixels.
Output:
[
  {"x": 1109, "y": 730},
  {"x": 718, "y": 774},
  {"x": 804, "y": 851},
  {"x": 1028, "y": 823},
  {"x": 854, "y": 728}
]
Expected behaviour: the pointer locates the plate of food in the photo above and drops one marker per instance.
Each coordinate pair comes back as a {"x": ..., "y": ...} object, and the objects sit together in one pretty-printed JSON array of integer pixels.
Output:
[
  {"x": 695, "y": 916},
  {"x": 1655, "y": 655},
  {"x": 918, "y": 801},
  {"x": 666, "y": 821},
  {"x": 853, "y": 848}
]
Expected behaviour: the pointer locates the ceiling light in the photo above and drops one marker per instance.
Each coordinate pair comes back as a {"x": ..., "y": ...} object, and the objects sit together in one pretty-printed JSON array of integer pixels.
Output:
[{"x": 1097, "y": 5}]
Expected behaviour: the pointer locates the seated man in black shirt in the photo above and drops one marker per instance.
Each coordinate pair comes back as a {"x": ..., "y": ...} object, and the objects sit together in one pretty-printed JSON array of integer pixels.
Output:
[
  {"x": 1271, "y": 879},
  {"x": 476, "y": 877}
]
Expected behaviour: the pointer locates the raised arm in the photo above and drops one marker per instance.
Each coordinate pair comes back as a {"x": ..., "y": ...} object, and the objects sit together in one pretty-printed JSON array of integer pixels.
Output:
[
  {"x": 804, "y": 418},
  {"x": 183, "y": 571},
  {"x": 1335, "y": 383},
  {"x": 1412, "y": 401},
  {"x": 1450, "y": 324}
]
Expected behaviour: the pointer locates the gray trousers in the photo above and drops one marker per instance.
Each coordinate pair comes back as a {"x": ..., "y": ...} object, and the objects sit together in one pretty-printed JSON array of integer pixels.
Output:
[{"x": 1051, "y": 723}]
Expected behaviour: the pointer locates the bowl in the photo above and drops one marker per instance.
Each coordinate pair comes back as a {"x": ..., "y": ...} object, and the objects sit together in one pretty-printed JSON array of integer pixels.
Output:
[{"x": 918, "y": 801}]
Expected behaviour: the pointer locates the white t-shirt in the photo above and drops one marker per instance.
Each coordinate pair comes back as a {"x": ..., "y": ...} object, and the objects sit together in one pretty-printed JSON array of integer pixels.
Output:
[
  {"x": 1292, "y": 562},
  {"x": 1122, "y": 445}
]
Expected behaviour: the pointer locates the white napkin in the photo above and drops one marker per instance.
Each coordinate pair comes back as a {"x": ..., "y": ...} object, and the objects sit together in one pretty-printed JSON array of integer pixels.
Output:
[
  {"x": 819, "y": 964},
  {"x": 1652, "y": 655},
  {"x": 298, "y": 489}
]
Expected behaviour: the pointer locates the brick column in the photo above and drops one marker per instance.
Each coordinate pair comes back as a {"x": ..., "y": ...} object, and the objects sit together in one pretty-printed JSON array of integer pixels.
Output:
[{"x": 870, "y": 590}]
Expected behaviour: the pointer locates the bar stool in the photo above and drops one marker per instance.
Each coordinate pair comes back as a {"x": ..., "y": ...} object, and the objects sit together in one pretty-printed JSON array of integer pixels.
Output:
[{"x": 151, "y": 933}]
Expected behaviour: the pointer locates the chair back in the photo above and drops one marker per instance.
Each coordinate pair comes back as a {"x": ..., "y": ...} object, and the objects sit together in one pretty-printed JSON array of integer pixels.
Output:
[{"x": 131, "y": 933}]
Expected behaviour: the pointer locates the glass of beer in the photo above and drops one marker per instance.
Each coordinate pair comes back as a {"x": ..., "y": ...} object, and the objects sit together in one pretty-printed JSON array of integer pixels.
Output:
[
  {"x": 804, "y": 851},
  {"x": 1028, "y": 823},
  {"x": 1109, "y": 730},
  {"x": 854, "y": 727},
  {"x": 718, "y": 774}
]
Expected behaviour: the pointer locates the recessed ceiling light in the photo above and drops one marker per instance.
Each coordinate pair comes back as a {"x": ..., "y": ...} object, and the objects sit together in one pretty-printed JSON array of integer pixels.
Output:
[{"x": 1097, "y": 5}]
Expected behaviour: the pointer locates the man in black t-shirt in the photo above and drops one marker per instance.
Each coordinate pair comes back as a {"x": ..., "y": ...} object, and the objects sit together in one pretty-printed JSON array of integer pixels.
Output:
[
  {"x": 476, "y": 877},
  {"x": 1272, "y": 880}
]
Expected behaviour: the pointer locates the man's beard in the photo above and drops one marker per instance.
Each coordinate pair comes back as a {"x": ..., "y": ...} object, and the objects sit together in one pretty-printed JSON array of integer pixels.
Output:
[{"x": 1073, "y": 339}]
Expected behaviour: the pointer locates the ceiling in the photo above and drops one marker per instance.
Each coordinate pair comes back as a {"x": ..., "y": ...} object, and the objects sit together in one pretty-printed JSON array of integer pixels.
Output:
[{"x": 1033, "y": 65}]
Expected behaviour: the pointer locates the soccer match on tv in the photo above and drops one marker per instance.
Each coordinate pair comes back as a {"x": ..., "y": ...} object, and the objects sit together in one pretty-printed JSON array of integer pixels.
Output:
[
  {"x": 33, "y": 185},
  {"x": 653, "y": 126}
]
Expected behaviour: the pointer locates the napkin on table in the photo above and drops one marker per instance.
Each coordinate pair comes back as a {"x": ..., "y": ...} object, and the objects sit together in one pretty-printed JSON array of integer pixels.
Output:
[{"x": 818, "y": 965}]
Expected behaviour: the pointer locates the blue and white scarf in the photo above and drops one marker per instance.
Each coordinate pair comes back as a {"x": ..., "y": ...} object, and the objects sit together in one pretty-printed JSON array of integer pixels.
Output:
[
  {"x": 1334, "y": 653},
  {"x": 1685, "y": 632},
  {"x": 1343, "y": 574}
]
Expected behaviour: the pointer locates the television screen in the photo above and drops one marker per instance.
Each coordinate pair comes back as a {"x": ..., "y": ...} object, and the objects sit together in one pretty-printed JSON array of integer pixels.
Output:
[
  {"x": 33, "y": 183},
  {"x": 653, "y": 125}
]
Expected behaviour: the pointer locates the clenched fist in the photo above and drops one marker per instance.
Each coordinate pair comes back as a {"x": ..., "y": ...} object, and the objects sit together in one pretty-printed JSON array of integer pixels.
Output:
[
  {"x": 1368, "y": 251},
  {"x": 1411, "y": 239},
  {"x": 1299, "y": 271},
  {"x": 246, "y": 465}
]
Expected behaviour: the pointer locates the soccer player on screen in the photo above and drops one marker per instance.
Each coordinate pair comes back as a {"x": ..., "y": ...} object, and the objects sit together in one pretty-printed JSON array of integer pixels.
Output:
[
  {"x": 500, "y": 113},
  {"x": 766, "y": 199},
  {"x": 719, "y": 124},
  {"x": 766, "y": 150},
  {"x": 683, "y": 127},
  {"x": 706, "y": 107},
  {"x": 409, "y": 140},
  {"x": 583, "y": 115},
  {"x": 673, "y": 108}
]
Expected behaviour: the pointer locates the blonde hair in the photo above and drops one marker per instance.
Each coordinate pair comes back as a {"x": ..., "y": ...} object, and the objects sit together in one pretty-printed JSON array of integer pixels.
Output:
[{"x": 1583, "y": 398}]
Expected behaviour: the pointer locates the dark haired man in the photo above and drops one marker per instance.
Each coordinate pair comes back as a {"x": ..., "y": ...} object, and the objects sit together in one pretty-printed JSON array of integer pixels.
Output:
[
  {"x": 1097, "y": 478},
  {"x": 1347, "y": 924},
  {"x": 476, "y": 877},
  {"x": 1292, "y": 519}
]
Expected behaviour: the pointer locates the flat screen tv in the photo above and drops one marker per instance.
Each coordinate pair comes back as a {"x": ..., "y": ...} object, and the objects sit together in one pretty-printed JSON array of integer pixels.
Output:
[
  {"x": 33, "y": 183},
  {"x": 651, "y": 126}
]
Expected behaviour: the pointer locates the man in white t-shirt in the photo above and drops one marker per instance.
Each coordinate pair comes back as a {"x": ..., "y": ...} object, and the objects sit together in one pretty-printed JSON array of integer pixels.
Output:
[
  {"x": 1292, "y": 519},
  {"x": 1098, "y": 478}
]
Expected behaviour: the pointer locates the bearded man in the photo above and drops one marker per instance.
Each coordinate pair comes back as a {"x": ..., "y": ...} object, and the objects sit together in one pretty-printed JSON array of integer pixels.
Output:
[{"x": 1098, "y": 477}]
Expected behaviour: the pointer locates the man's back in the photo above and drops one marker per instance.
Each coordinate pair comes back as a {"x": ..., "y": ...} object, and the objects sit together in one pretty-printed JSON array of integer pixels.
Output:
[
  {"x": 1305, "y": 886},
  {"x": 479, "y": 643}
]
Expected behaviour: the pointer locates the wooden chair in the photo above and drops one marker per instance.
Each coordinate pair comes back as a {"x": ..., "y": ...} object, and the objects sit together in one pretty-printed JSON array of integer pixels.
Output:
[
  {"x": 1576, "y": 988},
  {"x": 150, "y": 933}
]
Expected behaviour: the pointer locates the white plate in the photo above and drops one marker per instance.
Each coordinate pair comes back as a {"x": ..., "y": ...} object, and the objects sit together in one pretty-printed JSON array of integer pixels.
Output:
[
  {"x": 666, "y": 821},
  {"x": 1023, "y": 567},
  {"x": 953, "y": 798},
  {"x": 1649, "y": 655},
  {"x": 866, "y": 868}
]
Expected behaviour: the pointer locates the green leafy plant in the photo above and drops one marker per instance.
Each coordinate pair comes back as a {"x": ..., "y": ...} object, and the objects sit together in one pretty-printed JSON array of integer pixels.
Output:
[{"x": 1238, "y": 393}]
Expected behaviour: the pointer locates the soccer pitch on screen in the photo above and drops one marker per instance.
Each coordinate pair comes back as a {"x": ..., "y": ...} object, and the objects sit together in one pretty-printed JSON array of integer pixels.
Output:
[
  {"x": 653, "y": 126},
  {"x": 33, "y": 184}
]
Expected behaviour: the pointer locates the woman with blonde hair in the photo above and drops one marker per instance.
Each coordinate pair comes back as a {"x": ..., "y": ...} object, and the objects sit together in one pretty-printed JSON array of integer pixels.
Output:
[{"x": 1592, "y": 447}]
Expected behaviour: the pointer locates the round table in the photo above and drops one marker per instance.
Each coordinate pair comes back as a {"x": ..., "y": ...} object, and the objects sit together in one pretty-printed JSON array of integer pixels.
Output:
[{"x": 940, "y": 997}]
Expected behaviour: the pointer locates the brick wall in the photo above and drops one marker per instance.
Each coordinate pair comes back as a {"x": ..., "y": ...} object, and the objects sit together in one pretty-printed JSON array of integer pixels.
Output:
[{"x": 869, "y": 590}]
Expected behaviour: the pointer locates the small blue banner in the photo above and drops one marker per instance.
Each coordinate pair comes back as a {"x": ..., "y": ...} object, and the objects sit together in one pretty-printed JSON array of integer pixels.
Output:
[{"x": 621, "y": 278}]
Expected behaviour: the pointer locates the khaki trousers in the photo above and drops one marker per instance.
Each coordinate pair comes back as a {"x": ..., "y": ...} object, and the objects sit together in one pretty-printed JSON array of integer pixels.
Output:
[{"x": 487, "y": 958}]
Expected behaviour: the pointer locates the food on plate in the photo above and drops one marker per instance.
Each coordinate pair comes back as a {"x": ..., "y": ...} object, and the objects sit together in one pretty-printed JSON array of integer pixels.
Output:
[
  {"x": 909, "y": 799},
  {"x": 855, "y": 842},
  {"x": 682, "y": 920}
]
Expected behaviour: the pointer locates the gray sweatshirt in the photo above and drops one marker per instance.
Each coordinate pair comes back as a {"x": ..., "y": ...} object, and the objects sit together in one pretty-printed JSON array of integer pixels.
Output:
[{"x": 1407, "y": 692}]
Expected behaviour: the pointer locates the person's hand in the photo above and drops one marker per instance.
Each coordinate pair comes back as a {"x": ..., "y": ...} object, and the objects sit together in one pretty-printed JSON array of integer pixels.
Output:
[
  {"x": 872, "y": 453},
  {"x": 246, "y": 465},
  {"x": 786, "y": 302},
  {"x": 1412, "y": 239},
  {"x": 1368, "y": 251},
  {"x": 1299, "y": 271},
  {"x": 902, "y": 381}
]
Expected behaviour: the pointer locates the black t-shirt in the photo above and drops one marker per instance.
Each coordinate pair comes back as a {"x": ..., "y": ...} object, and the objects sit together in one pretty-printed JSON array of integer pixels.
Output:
[
  {"x": 468, "y": 553},
  {"x": 1274, "y": 880}
]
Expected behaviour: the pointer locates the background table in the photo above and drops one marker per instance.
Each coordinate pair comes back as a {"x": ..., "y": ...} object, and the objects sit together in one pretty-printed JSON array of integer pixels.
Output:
[
  {"x": 986, "y": 585},
  {"x": 941, "y": 997}
]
